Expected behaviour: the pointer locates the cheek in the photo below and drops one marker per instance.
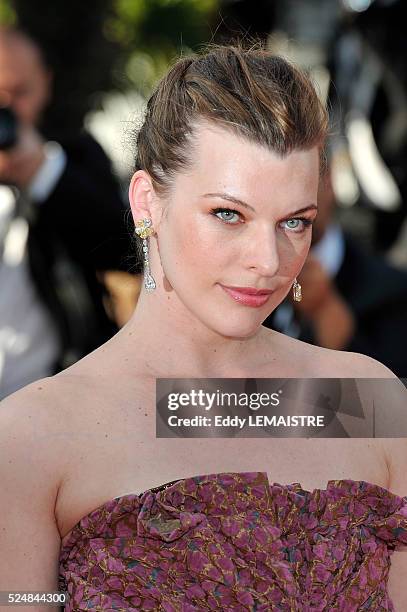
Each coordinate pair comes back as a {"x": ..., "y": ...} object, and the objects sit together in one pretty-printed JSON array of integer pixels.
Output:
[
  {"x": 293, "y": 253},
  {"x": 196, "y": 246}
]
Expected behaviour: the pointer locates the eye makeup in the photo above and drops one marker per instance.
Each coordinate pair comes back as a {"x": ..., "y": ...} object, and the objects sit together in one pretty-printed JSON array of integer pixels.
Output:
[{"x": 220, "y": 210}]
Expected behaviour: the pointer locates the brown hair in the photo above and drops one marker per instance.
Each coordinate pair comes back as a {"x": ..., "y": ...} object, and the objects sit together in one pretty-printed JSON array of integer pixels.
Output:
[{"x": 252, "y": 92}]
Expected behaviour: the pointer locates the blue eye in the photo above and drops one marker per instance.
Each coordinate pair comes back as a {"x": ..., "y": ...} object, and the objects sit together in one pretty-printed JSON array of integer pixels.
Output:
[
  {"x": 305, "y": 223},
  {"x": 227, "y": 215}
]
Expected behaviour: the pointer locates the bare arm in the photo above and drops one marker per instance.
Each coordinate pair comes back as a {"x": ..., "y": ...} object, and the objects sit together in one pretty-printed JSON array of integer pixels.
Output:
[{"x": 29, "y": 480}]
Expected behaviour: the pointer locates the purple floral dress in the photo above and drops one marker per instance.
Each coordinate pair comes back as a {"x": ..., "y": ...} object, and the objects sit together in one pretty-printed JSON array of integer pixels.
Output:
[{"x": 233, "y": 541}]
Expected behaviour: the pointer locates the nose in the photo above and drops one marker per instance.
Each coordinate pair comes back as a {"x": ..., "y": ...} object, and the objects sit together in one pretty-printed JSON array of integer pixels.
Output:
[{"x": 262, "y": 252}]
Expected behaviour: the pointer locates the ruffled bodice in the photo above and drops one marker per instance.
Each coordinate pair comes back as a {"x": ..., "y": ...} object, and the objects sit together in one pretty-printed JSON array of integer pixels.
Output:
[{"x": 233, "y": 541}]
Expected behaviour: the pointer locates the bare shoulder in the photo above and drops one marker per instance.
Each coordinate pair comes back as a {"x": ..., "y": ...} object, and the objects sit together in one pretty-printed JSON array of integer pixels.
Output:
[
  {"x": 344, "y": 364},
  {"x": 319, "y": 362},
  {"x": 356, "y": 365},
  {"x": 41, "y": 405},
  {"x": 30, "y": 420},
  {"x": 381, "y": 393},
  {"x": 26, "y": 409},
  {"x": 35, "y": 422}
]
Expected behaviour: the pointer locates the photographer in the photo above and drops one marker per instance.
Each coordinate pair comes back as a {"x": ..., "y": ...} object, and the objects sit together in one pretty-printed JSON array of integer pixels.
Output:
[{"x": 62, "y": 225}]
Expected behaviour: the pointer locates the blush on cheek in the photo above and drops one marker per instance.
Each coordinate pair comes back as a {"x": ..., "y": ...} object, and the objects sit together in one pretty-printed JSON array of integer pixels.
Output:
[
  {"x": 292, "y": 258},
  {"x": 193, "y": 245},
  {"x": 301, "y": 254}
]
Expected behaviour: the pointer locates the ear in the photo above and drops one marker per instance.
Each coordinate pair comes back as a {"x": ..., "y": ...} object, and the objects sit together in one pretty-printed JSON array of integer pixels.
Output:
[{"x": 142, "y": 198}]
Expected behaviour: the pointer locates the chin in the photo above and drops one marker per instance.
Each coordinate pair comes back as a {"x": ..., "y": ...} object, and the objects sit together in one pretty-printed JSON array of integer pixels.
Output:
[{"x": 241, "y": 328}]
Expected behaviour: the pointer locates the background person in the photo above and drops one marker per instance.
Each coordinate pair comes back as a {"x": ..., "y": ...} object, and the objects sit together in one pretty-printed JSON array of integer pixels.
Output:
[{"x": 62, "y": 222}]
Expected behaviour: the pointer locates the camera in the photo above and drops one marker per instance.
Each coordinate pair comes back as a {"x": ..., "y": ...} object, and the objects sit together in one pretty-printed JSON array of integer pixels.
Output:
[{"x": 8, "y": 128}]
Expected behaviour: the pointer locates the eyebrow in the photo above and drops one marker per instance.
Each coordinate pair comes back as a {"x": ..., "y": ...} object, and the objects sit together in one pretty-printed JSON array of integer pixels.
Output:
[{"x": 230, "y": 198}]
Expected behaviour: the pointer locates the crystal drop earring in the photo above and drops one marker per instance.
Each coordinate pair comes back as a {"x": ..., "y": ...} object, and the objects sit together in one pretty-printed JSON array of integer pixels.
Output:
[
  {"x": 144, "y": 229},
  {"x": 297, "y": 295}
]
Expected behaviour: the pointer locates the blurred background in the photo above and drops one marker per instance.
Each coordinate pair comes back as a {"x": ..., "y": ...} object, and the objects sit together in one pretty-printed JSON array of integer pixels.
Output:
[{"x": 74, "y": 79}]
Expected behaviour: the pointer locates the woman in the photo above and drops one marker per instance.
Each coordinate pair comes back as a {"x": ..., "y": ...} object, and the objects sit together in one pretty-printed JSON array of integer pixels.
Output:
[{"x": 223, "y": 198}]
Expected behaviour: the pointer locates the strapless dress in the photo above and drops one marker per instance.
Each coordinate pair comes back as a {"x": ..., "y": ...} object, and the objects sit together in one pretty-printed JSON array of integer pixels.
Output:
[{"x": 234, "y": 542}]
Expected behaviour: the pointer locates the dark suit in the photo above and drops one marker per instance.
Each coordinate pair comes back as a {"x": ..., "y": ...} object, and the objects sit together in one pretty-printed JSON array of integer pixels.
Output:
[
  {"x": 377, "y": 294},
  {"x": 79, "y": 229}
]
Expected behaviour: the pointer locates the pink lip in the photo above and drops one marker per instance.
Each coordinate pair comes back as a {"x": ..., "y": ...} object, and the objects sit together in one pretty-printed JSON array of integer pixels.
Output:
[
  {"x": 250, "y": 290},
  {"x": 248, "y": 295}
]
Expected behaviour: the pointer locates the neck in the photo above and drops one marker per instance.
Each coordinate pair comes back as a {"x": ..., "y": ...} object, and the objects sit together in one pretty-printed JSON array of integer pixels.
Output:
[{"x": 165, "y": 340}]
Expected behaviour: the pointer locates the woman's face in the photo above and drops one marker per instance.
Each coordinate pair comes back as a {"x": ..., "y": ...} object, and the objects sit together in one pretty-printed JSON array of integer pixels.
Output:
[{"x": 239, "y": 218}]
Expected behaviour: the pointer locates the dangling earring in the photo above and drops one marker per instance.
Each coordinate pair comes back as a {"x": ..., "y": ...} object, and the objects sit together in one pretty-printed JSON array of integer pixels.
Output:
[
  {"x": 297, "y": 295},
  {"x": 144, "y": 230}
]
